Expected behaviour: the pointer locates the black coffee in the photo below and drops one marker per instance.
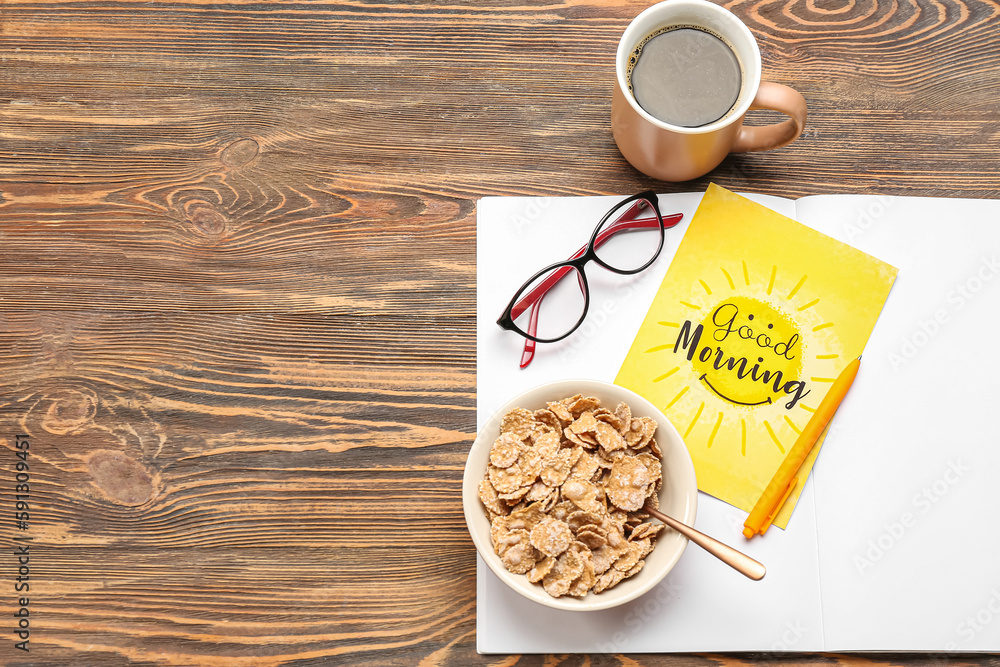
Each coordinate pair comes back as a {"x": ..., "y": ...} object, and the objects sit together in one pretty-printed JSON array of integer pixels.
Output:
[{"x": 685, "y": 76}]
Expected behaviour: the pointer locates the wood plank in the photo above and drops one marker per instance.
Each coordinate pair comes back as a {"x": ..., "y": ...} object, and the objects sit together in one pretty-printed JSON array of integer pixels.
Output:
[{"x": 237, "y": 288}]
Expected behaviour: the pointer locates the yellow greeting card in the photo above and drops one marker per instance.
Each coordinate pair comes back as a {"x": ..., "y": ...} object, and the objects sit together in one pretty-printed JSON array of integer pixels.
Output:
[{"x": 756, "y": 317}]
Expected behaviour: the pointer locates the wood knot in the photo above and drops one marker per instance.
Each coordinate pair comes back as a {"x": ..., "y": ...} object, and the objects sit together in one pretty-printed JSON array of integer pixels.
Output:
[
  {"x": 120, "y": 477},
  {"x": 69, "y": 410},
  {"x": 239, "y": 153},
  {"x": 205, "y": 217}
]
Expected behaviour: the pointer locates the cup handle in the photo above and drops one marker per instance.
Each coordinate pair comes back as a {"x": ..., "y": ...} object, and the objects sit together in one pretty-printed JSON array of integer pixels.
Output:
[{"x": 775, "y": 97}]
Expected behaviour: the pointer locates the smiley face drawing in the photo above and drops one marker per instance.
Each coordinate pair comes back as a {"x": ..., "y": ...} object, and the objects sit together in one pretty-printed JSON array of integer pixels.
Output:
[
  {"x": 751, "y": 354},
  {"x": 739, "y": 358}
]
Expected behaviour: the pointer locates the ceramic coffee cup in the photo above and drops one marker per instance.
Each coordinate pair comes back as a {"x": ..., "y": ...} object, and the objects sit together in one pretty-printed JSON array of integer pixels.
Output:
[{"x": 675, "y": 153}]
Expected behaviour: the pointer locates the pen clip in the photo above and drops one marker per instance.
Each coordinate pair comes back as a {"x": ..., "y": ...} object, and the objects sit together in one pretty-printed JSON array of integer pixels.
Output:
[{"x": 777, "y": 508}]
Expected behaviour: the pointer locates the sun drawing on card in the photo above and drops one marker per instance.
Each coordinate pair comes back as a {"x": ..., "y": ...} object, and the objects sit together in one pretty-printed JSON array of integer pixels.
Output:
[{"x": 753, "y": 344}]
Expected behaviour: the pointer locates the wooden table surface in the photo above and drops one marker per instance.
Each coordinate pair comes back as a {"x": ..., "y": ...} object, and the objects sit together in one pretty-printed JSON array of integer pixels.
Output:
[{"x": 237, "y": 289}]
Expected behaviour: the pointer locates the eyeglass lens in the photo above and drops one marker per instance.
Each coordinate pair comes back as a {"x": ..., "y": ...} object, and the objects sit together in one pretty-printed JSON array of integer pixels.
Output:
[
  {"x": 552, "y": 304},
  {"x": 629, "y": 239}
]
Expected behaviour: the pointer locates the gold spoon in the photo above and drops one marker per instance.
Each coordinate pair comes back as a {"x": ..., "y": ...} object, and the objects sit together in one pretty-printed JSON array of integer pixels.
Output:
[{"x": 737, "y": 560}]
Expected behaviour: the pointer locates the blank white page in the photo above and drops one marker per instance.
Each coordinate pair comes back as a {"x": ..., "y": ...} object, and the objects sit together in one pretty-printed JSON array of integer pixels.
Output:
[{"x": 908, "y": 481}]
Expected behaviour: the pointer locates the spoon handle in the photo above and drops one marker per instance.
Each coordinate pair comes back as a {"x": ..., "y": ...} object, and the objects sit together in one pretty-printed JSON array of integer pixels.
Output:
[{"x": 739, "y": 561}]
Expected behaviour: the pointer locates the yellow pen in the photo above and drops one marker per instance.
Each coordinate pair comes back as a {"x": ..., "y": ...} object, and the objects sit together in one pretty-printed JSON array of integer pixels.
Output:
[{"x": 786, "y": 478}]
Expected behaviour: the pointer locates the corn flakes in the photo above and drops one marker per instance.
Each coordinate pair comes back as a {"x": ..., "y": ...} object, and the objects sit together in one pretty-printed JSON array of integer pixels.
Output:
[
  {"x": 624, "y": 414},
  {"x": 550, "y": 418},
  {"x": 505, "y": 480},
  {"x": 583, "y": 404},
  {"x": 561, "y": 412},
  {"x": 551, "y": 536},
  {"x": 609, "y": 438},
  {"x": 518, "y": 422},
  {"x": 516, "y": 552},
  {"x": 568, "y": 567},
  {"x": 506, "y": 450},
  {"x": 629, "y": 483},
  {"x": 538, "y": 491},
  {"x": 564, "y": 490},
  {"x": 489, "y": 498},
  {"x": 542, "y": 568},
  {"x": 645, "y": 530}
]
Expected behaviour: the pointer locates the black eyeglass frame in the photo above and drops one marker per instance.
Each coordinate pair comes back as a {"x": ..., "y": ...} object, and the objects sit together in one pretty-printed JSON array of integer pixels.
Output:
[{"x": 506, "y": 321}]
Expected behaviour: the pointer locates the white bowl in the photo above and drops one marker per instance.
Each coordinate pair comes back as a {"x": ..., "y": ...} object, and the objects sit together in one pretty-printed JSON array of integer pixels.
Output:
[{"x": 678, "y": 496}]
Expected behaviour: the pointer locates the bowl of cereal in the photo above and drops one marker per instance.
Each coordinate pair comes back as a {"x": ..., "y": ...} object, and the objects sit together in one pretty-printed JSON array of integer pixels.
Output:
[{"x": 555, "y": 488}]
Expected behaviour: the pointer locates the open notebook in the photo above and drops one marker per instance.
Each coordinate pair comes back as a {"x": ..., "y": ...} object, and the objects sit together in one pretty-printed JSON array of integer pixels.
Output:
[{"x": 893, "y": 544}]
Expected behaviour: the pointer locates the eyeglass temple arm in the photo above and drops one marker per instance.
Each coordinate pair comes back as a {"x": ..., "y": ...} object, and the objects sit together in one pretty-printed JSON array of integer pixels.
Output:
[{"x": 534, "y": 298}]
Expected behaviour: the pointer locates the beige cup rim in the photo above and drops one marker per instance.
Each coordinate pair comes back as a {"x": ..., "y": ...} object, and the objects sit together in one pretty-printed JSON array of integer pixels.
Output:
[{"x": 646, "y": 22}]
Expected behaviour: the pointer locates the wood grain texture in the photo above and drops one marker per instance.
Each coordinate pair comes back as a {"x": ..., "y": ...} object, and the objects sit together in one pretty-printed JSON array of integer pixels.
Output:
[{"x": 237, "y": 289}]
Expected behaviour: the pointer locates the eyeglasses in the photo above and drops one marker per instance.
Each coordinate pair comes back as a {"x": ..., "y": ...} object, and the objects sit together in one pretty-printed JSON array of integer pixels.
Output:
[{"x": 627, "y": 240}]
